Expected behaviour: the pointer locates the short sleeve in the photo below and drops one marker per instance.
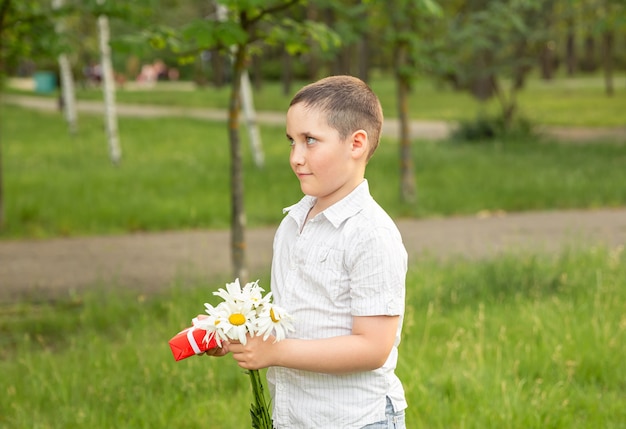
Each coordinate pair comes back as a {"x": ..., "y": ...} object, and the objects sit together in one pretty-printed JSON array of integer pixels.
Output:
[{"x": 377, "y": 265}]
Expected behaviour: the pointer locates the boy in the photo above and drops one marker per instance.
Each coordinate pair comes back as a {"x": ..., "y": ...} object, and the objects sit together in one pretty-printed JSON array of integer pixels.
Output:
[{"x": 339, "y": 269}]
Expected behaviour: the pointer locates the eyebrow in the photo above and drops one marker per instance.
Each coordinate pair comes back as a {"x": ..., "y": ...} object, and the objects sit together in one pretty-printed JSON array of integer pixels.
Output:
[{"x": 303, "y": 134}]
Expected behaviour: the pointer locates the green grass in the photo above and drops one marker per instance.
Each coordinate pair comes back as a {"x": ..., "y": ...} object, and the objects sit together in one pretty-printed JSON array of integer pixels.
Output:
[
  {"x": 519, "y": 341},
  {"x": 175, "y": 175},
  {"x": 578, "y": 101}
]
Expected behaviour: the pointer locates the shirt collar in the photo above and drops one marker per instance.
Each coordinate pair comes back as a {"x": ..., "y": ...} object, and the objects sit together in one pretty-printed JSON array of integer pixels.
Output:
[{"x": 336, "y": 214}]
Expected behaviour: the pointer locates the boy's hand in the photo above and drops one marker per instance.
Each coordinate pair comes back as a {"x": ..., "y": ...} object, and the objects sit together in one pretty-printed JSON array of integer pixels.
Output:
[
  {"x": 255, "y": 354},
  {"x": 218, "y": 351}
]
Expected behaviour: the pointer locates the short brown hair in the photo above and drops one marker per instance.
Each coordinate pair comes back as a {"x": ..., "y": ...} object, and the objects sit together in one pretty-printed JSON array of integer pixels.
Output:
[{"x": 349, "y": 105}]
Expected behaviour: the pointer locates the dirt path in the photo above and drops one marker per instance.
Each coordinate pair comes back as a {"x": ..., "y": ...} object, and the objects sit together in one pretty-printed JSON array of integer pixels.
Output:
[
  {"x": 434, "y": 130},
  {"x": 148, "y": 262}
]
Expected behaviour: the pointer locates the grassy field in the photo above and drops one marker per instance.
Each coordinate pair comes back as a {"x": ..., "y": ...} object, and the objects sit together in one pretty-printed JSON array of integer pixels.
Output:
[
  {"x": 175, "y": 171},
  {"x": 520, "y": 341}
]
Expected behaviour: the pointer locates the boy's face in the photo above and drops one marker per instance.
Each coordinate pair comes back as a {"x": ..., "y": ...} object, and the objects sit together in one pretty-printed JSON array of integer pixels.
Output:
[{"x": 325, "y": 165}]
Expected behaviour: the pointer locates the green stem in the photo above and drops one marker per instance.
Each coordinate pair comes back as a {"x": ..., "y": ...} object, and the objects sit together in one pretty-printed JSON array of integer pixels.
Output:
[{"x": 259, "y": 411}]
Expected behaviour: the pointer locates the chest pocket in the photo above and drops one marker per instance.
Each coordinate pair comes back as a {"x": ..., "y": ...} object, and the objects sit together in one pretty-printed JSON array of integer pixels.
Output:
[
  {"x": 324, "y": 269},
  {"x": 327, "y": 259}
]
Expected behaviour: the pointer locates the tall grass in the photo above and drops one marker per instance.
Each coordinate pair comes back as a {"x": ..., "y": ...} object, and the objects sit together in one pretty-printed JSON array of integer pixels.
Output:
[
  {"x": 530, "y": 342},
  {"x": 175, "y": 174},
  {"x": 519, "y": 341}
]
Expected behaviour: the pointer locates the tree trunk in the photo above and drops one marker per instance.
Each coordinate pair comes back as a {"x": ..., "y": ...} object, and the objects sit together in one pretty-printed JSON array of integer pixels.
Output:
[
  {"x": 217, "y": 68},
  {"x": 1, "y": 164},
  {"x": 257, "y": 75},
  {"x": 521, "y": 70},
  {"x": 362, "y": 51},
  {"x": 334, "y": 65},
  {"x": 407, "y": 175},
  {"x": 363, "y": 58},
  {"x": 607, "y": 61},
  {"x": 108, "y": 88},
  {"x": 547, "y": 62},
  {"x": 250, "y": 116},
  {"x": 68, "y": 99},
  {"x": 570, "y": 48},
  {"x": 314, "y": 59},
  {"x": 588, "y": 62},
  {"x": 2, "y": 72},
  {"x": 344, "y": 60},
  {"x": 482, "y": 84},
  {"x": 287, "y": 73},
  {"x": 238, "y": 213}
]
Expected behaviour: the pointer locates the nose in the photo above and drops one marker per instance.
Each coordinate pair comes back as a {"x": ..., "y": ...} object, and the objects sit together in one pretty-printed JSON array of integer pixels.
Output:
[{"x": 297, "y": 154}]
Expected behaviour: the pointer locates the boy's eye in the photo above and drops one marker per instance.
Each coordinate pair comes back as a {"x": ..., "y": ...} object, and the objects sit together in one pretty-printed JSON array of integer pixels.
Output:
[
  {"x": 291, "y": 142},
  {"x": 310, "y": 140}
]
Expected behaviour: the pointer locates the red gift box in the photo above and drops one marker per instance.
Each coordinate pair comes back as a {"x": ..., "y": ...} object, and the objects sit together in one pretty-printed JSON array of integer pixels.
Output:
[{"x": 189, "y": 342}]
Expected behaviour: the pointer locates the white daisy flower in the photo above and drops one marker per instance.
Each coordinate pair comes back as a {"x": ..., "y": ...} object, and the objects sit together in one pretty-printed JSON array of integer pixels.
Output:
[
  {"x": 232, "y": 293},
  {"x": 236, "y": 320},
  {"x": 254, "y": 293},
  {"x": 212, "y": 324},
  {"x": 274, "y": 319}
]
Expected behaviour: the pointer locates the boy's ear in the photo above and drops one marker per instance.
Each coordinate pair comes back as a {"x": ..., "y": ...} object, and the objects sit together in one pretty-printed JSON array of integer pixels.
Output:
[{"x": 359, "y": 143}]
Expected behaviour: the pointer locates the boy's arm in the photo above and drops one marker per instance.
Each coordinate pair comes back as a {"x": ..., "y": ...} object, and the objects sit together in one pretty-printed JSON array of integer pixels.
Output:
[{"x": 366, "y": 349}]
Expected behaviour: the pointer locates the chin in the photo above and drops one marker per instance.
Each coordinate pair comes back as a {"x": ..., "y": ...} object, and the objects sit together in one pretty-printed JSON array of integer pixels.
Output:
[{"x": 307, "y": 190}]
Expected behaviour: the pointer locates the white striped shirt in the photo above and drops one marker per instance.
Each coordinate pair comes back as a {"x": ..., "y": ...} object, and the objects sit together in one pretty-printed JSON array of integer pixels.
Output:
[{"x": 348, "y": 261}]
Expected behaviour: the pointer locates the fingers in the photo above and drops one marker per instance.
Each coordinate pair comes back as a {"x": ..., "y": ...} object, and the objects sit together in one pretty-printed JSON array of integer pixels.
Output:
[
  {"x": 252, "y": 355},
  {"x": 219, "y": 351},
  {"x": 215, "y": 351}
]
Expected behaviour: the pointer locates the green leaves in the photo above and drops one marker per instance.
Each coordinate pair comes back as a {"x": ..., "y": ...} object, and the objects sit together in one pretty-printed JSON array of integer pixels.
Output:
[
  {"x": 296, "y": 36},
  {"x": 237, "y": 23},
  {"x": 208, "y": 34}
]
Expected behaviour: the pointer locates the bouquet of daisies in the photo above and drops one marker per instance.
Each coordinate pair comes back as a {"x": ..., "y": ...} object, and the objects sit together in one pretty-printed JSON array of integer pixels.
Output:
[{"x": 243, "y": 311}]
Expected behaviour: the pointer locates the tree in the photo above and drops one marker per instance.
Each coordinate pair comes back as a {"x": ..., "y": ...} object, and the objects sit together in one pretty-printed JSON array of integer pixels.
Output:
[
  {"x": 567, "y": 12},
  {"x": 249, "y": 23},
  {"x": 610, "y": 17},
  {"x": 505, "y": 37},
  {"x": 26, "y": 29},
  {"x": 68, "y": 99},
  {"x": 407, "y": 19},
  {"x": 108, "y": 88}
]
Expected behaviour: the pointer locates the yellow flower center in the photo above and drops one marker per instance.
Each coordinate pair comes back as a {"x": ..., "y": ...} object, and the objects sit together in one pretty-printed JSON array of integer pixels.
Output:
[
  {"x": 237, "y": 319},
  {"x": 273, "y": 316}
]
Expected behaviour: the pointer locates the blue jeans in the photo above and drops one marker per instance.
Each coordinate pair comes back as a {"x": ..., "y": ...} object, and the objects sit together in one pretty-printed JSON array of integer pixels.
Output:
[{"x": 395, "y": 420}]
